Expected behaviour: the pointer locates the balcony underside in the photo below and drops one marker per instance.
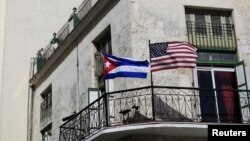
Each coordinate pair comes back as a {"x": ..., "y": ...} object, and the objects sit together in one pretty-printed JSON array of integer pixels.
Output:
[{"x": 174, "y": 130}]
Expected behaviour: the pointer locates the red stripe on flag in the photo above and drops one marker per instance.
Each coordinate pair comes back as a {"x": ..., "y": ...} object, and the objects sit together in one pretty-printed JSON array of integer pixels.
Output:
[
  {"x": 178, "y": 55},
  {"x": 173, "y": 62},
  {"x": 169, "y": 67}
]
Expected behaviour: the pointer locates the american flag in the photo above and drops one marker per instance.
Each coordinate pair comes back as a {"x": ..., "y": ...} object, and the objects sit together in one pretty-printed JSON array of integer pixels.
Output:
[{"x": 171, "y": 55}]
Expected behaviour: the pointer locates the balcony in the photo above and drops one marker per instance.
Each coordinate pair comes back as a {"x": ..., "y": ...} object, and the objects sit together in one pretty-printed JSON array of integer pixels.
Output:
[
  {"x": 44, "y": 55},
  {"x": 150, "y": 110},
  {"x": 211, "y": 37}
]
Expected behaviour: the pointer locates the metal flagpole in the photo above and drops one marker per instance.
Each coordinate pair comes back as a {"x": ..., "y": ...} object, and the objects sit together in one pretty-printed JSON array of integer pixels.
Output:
[
  {"x": 105, "y": 94},
  {"x": 152, "y": 84}
]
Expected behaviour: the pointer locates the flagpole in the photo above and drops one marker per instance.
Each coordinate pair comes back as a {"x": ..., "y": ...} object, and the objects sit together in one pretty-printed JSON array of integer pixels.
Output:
[
  {"x": 105, "y": 95},
  {"x": 152, "y": 84}
]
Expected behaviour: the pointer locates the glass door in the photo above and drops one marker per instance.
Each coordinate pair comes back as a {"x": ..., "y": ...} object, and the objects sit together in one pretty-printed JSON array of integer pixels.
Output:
[{"x": 222, "y": 104}]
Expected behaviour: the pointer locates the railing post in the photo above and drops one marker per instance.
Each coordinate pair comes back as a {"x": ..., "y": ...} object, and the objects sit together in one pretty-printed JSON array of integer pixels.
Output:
[
  {"x": 152, "y": 85},
  {"x": 80, "y": 126},
  {"x": 60, "y": 134},
  {"x": 99, "y": 114},
  {"x": 234, "y": 38},
  {"x": 106, "y": 109},
  {"x": 153, "y": 101}
]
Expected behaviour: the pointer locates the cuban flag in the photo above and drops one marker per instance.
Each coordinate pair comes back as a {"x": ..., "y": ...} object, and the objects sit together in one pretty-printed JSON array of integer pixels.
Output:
[{"x": 124, "y": 67}]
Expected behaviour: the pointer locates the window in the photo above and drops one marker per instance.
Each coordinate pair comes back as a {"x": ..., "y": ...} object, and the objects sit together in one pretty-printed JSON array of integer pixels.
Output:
[
  {"x": 103, "y": 44},
  {"x": 47, "y": 133},
  {"x": 200, "y": 25},
  {"x": 216, "y": 25},
  {"x": 214, "y": 57},
  {"x": 209, "y": 21},
  {"x": 46, "y": 105},
  {"x": 218, "y": 105},
  {"x": 210, "y": 29},
  {"x": 229, "y": 26}
]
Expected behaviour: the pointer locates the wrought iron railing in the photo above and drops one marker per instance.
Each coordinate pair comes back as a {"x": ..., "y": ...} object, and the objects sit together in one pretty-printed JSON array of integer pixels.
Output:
[
  {"x": 63, "y": 33},
  {"x": 215, "y": 37},
  {"x": 164, "y": 104}
]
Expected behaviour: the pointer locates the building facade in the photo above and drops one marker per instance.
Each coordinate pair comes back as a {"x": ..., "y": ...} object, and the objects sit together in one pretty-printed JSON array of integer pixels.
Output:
[
  {"x": 25, "y": 27},
  {"x": 2, "y": 20},
  {"x": 71, "y": 101}
]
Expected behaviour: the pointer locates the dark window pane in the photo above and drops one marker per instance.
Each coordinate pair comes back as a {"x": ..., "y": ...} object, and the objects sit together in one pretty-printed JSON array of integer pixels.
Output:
[
  {"x": 46, "y": 104},
  {"x": 207, "y": 98},
  {"x": 216, "y": 25},
  {"x": 188, "y": 19},
  {"x": 200, "y": 24},
  {"x": 47, "y": 134},
  {"x": 189, "y": 24},
  {"x": 229, "y": 26}
]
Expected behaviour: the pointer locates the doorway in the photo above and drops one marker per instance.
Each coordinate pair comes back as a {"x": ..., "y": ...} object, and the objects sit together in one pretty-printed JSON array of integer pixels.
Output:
[{"x": 218, "y": 100}]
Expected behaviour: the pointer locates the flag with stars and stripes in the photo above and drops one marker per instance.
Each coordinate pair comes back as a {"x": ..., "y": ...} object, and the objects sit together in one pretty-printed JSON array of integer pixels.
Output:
[{"x": 171, "y": 55}]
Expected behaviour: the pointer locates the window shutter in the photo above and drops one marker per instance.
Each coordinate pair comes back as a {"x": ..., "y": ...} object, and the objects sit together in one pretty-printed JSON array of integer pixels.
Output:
[
  {"x": 243, "y": 95},
  {"x": 93, "y": 94}
]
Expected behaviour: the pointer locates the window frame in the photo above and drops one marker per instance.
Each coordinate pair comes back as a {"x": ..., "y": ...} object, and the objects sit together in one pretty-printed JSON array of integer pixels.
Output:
[
  {"x": 190, "y": 17},
  {"x": 45, "y": 133},
  {"x": 212, "y": 70},
  {"x": 103, "y": 44},
  {"x": 46, "y": 104}
]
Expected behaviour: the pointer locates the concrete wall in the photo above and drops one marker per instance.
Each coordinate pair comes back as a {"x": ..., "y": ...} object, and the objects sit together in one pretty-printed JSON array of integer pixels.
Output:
[
  {"x": 2, "y": 25},
  {"x": 65, "y": 96},
  {"x": 159, "y": 21},
  {"x": 29, "y": 25}
]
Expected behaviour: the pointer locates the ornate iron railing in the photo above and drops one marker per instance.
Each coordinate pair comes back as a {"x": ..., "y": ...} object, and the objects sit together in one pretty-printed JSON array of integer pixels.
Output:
[
  {"x": 208, "y": 36},
  {"x": 164, "y": 104}
]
